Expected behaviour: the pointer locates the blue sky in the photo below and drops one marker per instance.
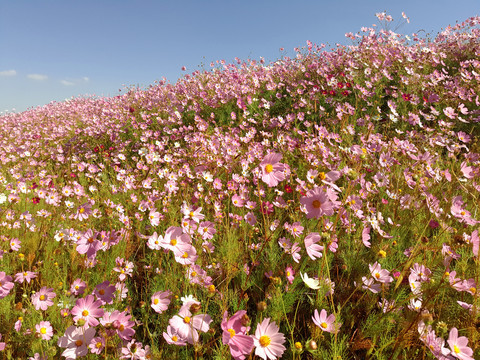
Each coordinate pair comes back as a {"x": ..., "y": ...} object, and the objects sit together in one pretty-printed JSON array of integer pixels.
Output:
[{"x": 53, "y": 50}]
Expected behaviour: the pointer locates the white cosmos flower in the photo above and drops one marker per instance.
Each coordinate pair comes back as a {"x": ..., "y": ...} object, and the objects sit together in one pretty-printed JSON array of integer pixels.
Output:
[{"x": 310, "y": 282}]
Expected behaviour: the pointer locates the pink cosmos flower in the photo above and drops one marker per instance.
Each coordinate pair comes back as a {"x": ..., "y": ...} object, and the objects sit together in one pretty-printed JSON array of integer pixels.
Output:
[
  {"x": 88, "y": 243},
  {"x": 234, "y": 335},
  {"x": 268, "y": 341},
  {"x": 15, "y": 244},
  {"x": 459, "y": 347},
  {"x": 317, "y": 203},
  {"x": 324, "y": 322},
  {"x": 370, "y": 284},
  {"x": 120, "y": 322},
  {"x": 88, "y": 310},
  {"x": 83, "y": 212},
  {"x": 379, "y": 274},
  {"x": 6, "y": 284},
  {"x": 153, "y": 242},
  {"x": 289, "y": 273},
  {"x": 25, "y": 276},
  {"x": 237, "y": 201},
  {"x": 105, "y": 292},
  {"x": 206, "y": 229},
  {"x": 76, "y": 341},
  {"x": 160, "y": 301},
  {"x": 272, "y": 169},
  {"x": 187, "y": 326},
  {"x": 314, "y": 250},
  {"x": 78, "y": 287},
  {"x": 43, "y": 298},
  {"x": 475, "y": 240},
  {"x": 172, "y": 337},
  {"x": 97, "y": 344},
  {"x": 45, "y": 330}
]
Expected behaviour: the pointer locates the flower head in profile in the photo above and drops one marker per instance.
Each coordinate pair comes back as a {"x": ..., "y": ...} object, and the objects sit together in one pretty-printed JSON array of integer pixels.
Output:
[
  {"x": 268, "y": 341},
  {"x": 272, "y": 169},
  {"x": 310, "y": 282}
]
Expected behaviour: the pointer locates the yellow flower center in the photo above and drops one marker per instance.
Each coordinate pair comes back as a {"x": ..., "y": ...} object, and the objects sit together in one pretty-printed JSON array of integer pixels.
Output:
[
  {"x": 193, "y": 274},
  {"x": 101, "y": 292},
  {"x": 85, "y": 313},
  {"x": 377, "y": 275},
  {"x": 268, "y": 168},
  {"x": 121, "y": 327},
  {"x": 185, "y": 255},
  {"x": 473, "y": 290},
  {"x": 456, "y": 349},
  {"x": 173, "y": 242},
  {"x": 186, "y": 319},
  {"x": 98, "y": 345},
  {"x": 79, "y": 343},
  {"x": 316, "y": 204},
  {"x": 81, "y": 211},
  {"x": 288, "y": 273},
  {"x": 155, "y": 301},
  {"x": 43, "y": 331},
  {"x": 264, "y": 340},
  {"x": 42, "y": 297},
  {"x": 322, "y": 176},
  {"x": 232, "y": 333},
  {"x": 324, "y": 325},
  {"x": 174, "y": 338}
]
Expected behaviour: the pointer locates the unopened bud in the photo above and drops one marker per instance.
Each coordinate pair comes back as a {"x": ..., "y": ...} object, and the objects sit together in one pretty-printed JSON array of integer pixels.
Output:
[
  {"x": 312, "y": 345},
  {"x": 262, "y": 306}
]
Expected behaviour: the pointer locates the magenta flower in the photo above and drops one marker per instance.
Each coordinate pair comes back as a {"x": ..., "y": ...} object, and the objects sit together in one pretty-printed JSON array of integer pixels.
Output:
[
  {"x": 234, "y": 335},
  {"x": 459, "y": 347},
  {"x": 83, "y": 212},
  {"x": 317, "y": 203},
  {"x": 324, "y": 322},
  {"x": 97, "y": 344},
  {"x": 6, "y": 284},
  {"x": 88, "y": 310},
  {"x": 160, "y": 301},
  {"x": 105, "y": 292},
  {"x": 78, "y": 287},
  {"x": 45, "y": 330},
  {"x": 272, "y": 169},
  {"x": 42, "y": 300},
  {"x": 76, "y": 341},
  {"x": 268, "y": 340}
]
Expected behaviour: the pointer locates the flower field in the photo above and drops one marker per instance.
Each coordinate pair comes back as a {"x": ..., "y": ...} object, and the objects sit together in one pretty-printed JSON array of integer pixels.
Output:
[{"x": 325, "y": 206}]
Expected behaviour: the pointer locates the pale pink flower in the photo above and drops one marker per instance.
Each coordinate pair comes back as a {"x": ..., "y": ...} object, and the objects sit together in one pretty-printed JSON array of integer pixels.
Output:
[
  {"x": 272, "y": 169},
  {"x": 160, "y": 301},
  {"x": 317, "y": 203},
  {"x": 234, "y": 335},
  {"x": 88, "y": 310},
  {"x": 324, "y": 322},
  {"x": 76, "y": 341},
  {"x": 458, "y": 345},
  {"x": 379, "y": 274},
  {"x": 42, "y": 299},
  {"x": 45, "y": 330},
  {"x": 268, "y": 341},
  {"x": 187, "y": 325},
  {"x": 314, "y": 250}
]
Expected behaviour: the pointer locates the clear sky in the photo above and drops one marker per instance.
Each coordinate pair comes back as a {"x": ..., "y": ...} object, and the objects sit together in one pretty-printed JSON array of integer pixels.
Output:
[{"x": 53, "y": 50}]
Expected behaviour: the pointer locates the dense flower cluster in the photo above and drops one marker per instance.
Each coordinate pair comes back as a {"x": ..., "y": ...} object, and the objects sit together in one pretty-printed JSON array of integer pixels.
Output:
[{"x": 328, "y": 201}]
